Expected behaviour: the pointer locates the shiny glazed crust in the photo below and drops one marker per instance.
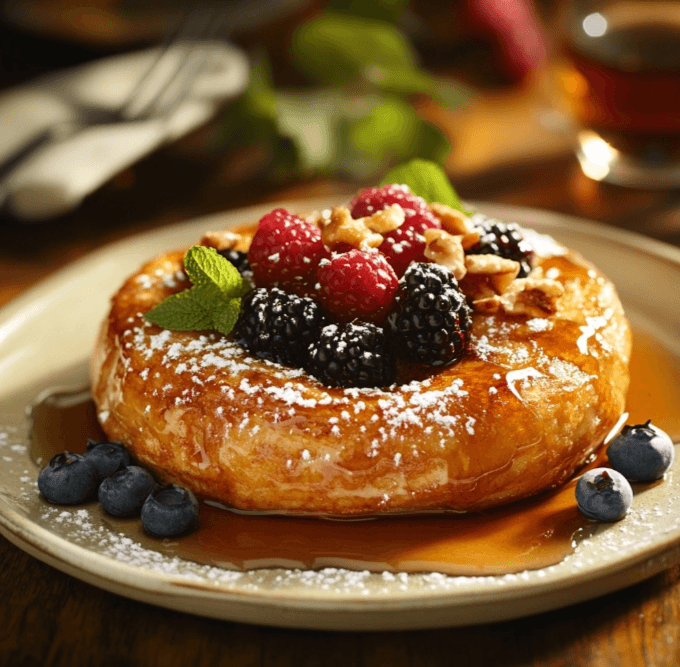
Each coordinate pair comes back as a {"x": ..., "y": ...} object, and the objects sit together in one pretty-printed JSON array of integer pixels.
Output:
[{"x": 522, "y": 411}]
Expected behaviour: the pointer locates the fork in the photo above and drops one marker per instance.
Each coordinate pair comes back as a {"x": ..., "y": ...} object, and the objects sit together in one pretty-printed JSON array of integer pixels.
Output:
[{"x": 158, "y": 92}]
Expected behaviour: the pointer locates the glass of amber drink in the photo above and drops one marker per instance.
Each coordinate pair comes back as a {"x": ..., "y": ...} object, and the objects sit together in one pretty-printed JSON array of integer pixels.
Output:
[{"x": 619, "y": 79}]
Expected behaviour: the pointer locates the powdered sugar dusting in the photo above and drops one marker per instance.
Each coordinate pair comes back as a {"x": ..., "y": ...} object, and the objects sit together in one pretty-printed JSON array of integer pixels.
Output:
[
  {"x": 413, "y": 404},
  {"x": 543, "y": 244},
  {"x": 653, "y": 521}
]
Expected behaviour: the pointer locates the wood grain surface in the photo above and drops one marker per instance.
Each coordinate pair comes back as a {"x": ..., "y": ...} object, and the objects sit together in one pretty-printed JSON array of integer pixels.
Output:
[{"x": 49, "y": 618}]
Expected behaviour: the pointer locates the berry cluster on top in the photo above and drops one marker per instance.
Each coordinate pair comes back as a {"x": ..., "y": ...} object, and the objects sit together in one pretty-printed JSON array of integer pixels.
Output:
[{"x": 348, "y": 292}]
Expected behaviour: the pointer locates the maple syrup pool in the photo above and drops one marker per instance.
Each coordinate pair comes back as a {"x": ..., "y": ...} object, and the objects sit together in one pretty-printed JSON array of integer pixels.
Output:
[{"x": 530, "y": 534}]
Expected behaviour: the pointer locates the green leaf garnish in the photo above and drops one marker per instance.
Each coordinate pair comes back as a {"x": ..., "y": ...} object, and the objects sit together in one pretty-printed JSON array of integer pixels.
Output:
[
  {"x": 336, "y": 48},
  {"x": 213, "y": 302},
  {"x": 427, "y": 180}
]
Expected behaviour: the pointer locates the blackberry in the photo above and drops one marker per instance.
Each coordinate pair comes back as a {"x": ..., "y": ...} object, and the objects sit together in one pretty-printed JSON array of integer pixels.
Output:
[
  {"x": 430, "y": 322},
  {"x": 502, "y": 239},
  {"x": 240, "y": 261},
  {"x": 279, "y": 326},
  {"x": 352, "y": 355}
]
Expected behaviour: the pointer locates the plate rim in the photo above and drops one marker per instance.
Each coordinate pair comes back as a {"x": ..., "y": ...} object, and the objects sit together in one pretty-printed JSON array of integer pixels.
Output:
[{"x": 11, "y": 521}]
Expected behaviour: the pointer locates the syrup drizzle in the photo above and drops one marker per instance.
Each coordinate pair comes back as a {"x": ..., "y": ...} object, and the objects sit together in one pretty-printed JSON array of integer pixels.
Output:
[{"x": 530, "y": 534}]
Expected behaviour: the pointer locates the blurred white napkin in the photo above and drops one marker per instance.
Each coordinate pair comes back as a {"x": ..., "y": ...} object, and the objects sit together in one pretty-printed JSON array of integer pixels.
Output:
[{"x": 56, "y": 179}]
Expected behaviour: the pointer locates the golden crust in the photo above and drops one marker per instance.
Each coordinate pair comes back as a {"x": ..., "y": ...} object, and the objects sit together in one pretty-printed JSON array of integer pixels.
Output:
[{"x": 521, "y": 412}]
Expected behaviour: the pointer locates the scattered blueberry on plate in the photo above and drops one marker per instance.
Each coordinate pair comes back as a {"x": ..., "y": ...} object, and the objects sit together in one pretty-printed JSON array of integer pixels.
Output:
[
  {"x": 124, "y": 493},
  {"x": 107, "y": 457},
  {"x": 641, "y": 453},
  {"x": 68, "y": 479},
  {"x": 169, "y": 511},
  {"x": 123, "y": 490},
  {"x": 604, "y": 495}
]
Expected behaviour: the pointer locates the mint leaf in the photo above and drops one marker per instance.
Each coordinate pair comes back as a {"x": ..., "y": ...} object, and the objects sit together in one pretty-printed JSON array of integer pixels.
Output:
[
  {"x": 452, "y": 94},
  {"x": 205, "y": 266},
  {"x": 213, "y": 302},
  {"x": 189, "y": 310},
  {"x": 395, "y": 130},
  {"x": 309, "y": 119},
  {"x": 432, "y": 143},
  {"x": 426, "y": 179},
  {"x": 336, "y": 48},
  {"x": 225, "y": 317},
  {"x": 360, "y": 62},
  {"x": 390, "y": 129}
]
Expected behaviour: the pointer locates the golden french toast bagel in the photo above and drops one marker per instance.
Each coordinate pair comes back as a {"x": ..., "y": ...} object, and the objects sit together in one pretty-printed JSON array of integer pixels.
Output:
[{"x": 532, "y": 398}]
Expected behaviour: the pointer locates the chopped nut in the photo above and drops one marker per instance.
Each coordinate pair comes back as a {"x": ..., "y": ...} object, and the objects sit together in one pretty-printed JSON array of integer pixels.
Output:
[
  {"x": 476, "y": 287},
  {"x": 319, "y": 218},
  {"x": 386, "y": 220},
  {"x": 453, "y": 221},
  {"x": 470, "y": 239},
  {"x": 487, "y": 276},
  {"x": 225, "y": 240},
  {"x": 498, "y": 271},
  {"x": 342, "y": 228},
  {"x": 456, "y": 223},
  {"x": 535, "y": 297},
  {"x": 362, "y": 232},
  {"x": 445, "y": 249},
  {"x": 490, "y": 264}
]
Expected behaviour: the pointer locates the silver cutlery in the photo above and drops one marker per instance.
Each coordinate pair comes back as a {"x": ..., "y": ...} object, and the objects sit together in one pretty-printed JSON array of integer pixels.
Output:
[{"x": 161, "y": 89}]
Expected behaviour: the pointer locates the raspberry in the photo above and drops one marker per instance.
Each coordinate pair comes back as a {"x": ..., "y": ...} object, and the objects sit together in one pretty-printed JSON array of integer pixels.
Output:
[
  {"x": 357, "y": 285},
  {"x": 285, "y": 250},
  {"x": 352, "y": 355},
  {"x": 431, "y": 319},
  {"x": 504, "y": 240},
  {"x": 279, "y": 326},
  {"x": 405, "y": 244}
]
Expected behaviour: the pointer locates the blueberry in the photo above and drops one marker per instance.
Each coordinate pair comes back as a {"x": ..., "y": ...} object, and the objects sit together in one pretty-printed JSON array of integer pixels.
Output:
[
  {"x": 603, "y": 494},
  {"x": 68, "y": 479},
  {"x": 641, "y": 453},
  {"x": 124, "y": 493},
  {"x": 170, "y": 510},
  {"x": 107, "y": 457}
]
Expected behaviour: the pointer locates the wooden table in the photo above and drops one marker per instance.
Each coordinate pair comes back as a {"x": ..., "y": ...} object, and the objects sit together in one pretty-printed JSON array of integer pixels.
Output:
[{"x": 48, "y": 618}]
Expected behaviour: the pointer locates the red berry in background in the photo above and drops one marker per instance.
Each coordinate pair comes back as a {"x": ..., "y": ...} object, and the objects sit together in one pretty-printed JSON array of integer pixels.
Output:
[
  {"x": 357, "y": 285},
  {"x": 405, "y": 244},
  {"x": 515, "y": 29},
  {"x": 285, "y": 251}
]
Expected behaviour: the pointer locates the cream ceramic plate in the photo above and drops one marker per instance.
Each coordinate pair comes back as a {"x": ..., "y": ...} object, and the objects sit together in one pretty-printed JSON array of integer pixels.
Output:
[{"x": 45, "y": 338}]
